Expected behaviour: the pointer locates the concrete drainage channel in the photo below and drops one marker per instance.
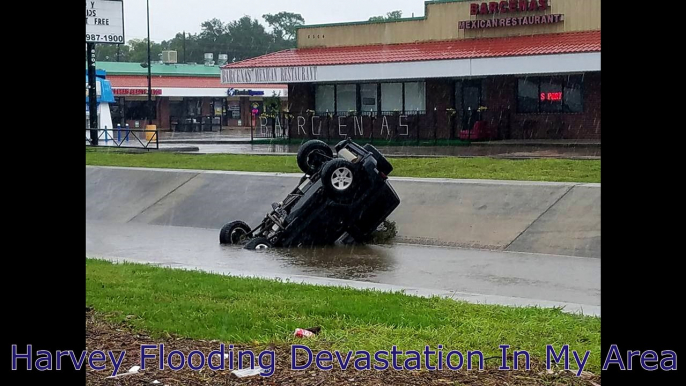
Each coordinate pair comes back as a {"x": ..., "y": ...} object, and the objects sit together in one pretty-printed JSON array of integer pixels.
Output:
[{"x": 531, "y": 217}]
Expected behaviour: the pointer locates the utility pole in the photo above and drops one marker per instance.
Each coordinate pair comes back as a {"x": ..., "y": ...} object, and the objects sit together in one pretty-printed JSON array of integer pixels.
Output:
[
  {"x": 149, "y": 69},
  {"x": 92, "y": 94},
  {"x": 184, "y": 47}
]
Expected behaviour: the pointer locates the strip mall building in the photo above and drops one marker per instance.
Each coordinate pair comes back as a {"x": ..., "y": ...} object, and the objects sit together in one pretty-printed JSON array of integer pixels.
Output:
[
  {"x": 186, "y": 97},
  {"x": 516, "y": 69}
]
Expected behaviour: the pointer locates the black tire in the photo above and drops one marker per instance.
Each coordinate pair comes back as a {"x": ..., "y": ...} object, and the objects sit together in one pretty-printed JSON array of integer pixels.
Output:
[
  {"x": 312, "y": 155},
  {"x": 234, "y": 232},
  {"x": 382, "y": 164},
  {"x": 339, "y": 179},
  {"x": 258, "y": 243}
]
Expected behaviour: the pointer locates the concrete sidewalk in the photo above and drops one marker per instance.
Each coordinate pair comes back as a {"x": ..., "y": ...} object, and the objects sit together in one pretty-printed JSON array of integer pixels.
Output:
[{"x": 510, "y": 152}]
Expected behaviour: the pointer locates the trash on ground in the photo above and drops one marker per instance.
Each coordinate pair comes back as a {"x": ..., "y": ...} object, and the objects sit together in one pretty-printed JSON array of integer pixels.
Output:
[
  {"x": 306, "y": 332},
  {"x": 132, "y": 371},
  {"x": 248, "y": 372}
]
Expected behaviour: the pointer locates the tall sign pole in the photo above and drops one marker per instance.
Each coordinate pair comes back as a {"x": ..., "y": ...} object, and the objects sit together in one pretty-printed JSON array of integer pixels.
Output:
[
  {"x": 147, "y": 3},
  {"x": 92, "y": 94},
  {"x": 105, "y": 25}
]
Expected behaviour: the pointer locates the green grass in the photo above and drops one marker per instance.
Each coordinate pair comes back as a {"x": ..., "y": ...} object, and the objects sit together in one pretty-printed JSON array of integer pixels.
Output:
[
  {"x": 260, "y": 312},
  {"x": 448, "y": 167}
]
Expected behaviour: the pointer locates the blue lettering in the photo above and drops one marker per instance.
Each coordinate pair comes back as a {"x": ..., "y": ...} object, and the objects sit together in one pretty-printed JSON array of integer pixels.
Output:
[
  {"x": 171, "y": 363},
  {"x": 449, "y": 363},
  {"x": 366, "y": 357},
  {"x": 550, "y": 351},
  {"x": 16, "y": 356},
  {"x": 271, "y": 367},
  {"x": 92, "y": 359},
  {"x": 294, "y": 365},
  {"x": 416, "y": 360},
  {"x": 671, "y": 358},
  {"x": 319, "y": 359},
  {"x": 503, "y": 365},
  {"x": 190, "y": 361},
  {"x": 47, "y": 358},
  {"x": 344, "y": 364},
  {"x": 145, "y": 355},
  {"x": 618, "y": 359},
  {"x": 427, "y": 354},
  {"x": 527, "y": 360},
  {"x": 382, "y": 360},
  {"x": 469, "y": 359},
  {"x": 645, "y": 359},
  {"x": 219, "y": 352},
  {"x": 116, "y": 362},
  {"x": 394, "y": 353}
]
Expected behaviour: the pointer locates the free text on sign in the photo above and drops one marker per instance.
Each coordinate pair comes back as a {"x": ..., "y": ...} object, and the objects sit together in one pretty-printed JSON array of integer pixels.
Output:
[{"x": 105, "y": 21}]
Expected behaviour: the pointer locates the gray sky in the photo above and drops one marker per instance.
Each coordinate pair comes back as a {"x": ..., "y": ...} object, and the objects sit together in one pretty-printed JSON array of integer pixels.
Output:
[{"x": 167, "y": 17}]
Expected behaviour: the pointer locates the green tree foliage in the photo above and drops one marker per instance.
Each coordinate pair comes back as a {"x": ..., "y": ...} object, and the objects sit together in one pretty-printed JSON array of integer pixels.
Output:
[
  {"x": 240, "y": 39},
  {"x": 393, "y": 15}
]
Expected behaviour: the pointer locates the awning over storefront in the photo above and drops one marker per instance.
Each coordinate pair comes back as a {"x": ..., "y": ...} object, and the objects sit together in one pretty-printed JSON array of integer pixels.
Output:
[
  {"x": 191, "y": 87},
  {"x": 533, "y": 54}
]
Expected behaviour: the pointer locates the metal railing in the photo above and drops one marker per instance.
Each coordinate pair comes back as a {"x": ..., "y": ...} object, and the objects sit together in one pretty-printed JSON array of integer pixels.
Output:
[
  {"x": 125, "y": 138},
  {"x": 195, "y": 124}
]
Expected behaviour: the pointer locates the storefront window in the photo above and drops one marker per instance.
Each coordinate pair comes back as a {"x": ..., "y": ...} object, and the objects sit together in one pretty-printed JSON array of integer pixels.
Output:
[
  {"x": 550, "y": 94},
  {"x": 572, "y": 94},
  {"x": 193, "y": 106},
  {"x": 346, "y": 98},
  {"x": 368, "y": 96},
  {"x": 391, "y": 97},
  {"x": 234, "y": 109},
  {"x": 415, "y": 97},
  {"x": 324, "y": 99},
  {"x": 527, "y": 95},
  {"x": 138, "y": 110}
]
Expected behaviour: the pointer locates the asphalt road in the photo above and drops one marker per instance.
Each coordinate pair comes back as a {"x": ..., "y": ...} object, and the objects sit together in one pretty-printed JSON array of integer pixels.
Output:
[{"x": 477, "y": 276}]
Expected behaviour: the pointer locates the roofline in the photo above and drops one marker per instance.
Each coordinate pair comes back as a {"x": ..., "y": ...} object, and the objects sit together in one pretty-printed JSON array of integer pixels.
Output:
[
  {"x": 144, "y": 71},
  {"x": 261, "y": 56},
  {"x": 417, "y": 18},
  {"x": 232, "y": 65}
]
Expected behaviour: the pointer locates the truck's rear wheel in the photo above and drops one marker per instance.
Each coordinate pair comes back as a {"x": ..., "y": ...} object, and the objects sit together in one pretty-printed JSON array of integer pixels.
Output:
[
  {"x": 258, "y": 243},
  {"x": 234, "y": 232},
  {"x": 312, "y": 155}
]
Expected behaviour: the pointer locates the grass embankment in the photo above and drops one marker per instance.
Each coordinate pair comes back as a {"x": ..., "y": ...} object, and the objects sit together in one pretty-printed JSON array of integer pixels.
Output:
[
  {"x": 260, "y": 312},
  {"x": 448, "y": 167}
]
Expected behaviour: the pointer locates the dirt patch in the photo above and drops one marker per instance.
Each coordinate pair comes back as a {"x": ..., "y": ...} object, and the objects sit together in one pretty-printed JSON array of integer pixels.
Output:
[{"x": 101, "y": 335}]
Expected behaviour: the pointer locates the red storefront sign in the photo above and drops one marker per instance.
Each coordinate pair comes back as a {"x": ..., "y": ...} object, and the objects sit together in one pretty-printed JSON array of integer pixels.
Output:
[
  {"x": 511, "y": 21},
  {"x": 136, "y": 91},
  {"x": 507, "y": 6}
]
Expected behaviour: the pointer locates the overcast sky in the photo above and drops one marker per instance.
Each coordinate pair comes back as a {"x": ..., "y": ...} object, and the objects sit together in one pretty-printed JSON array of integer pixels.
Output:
[{"x": 167, "y": 17}]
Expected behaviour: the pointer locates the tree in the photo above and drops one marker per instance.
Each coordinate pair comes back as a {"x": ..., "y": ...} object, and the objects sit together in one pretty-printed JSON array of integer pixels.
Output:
[
  {"x": 240, "y": 39},
  {"x": 139, "y": 51},
  {"x": 393, "y": 15},
  {"x": 284, "y": 24}
]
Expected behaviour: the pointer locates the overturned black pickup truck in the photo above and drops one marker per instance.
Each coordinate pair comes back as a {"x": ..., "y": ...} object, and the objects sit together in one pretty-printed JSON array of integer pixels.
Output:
[{"x": 342, "y": 198}]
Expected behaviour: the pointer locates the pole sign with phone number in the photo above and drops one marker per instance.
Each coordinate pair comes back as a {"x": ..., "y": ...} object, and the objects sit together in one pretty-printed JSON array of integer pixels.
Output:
[{"x": 105, "y": 21}]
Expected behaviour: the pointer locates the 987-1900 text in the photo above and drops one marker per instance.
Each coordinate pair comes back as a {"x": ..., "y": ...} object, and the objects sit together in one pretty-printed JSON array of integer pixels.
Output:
[{"x": 104, "y": 38}]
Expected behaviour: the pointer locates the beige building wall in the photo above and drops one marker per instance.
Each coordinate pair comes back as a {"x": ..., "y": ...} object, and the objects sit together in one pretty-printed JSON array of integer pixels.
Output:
[{"x": 441, "y": 23}]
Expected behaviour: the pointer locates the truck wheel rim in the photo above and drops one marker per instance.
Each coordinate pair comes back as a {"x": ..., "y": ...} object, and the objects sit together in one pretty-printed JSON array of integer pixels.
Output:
[
  {"x": 261, "y": 246},
  {"x": 238, "y": 235},
  {"x": 342, "y": 178}
]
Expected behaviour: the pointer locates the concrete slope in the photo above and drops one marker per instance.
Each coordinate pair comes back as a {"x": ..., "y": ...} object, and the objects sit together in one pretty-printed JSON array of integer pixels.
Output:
[
  {"x": 570, "y": 227},
  {"x": 552, "y": 218}
]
